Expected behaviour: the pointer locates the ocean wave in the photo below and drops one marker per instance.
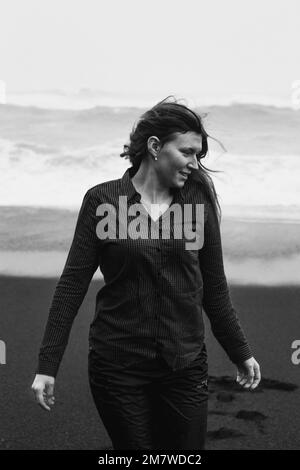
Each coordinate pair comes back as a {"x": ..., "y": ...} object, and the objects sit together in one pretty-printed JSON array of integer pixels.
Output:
[
  {"x": 243, "y": 129},
  {"x": 56, "y": 176},
  {"x": 30, "y": 157},
  {"x": 88, "y": 97}
]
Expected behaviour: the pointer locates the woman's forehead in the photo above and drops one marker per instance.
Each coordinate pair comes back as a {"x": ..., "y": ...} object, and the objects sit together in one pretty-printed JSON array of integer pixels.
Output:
[{"x": 190, "y": 139}]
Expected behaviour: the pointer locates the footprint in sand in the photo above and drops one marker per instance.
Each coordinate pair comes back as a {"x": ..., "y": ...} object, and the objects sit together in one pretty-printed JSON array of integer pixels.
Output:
[
  {"x": 255, "y": 416},
  {"x": 224, "y": 433},
  {"x": 226, "y": 389},
  {"x": 225, "y": 397}
]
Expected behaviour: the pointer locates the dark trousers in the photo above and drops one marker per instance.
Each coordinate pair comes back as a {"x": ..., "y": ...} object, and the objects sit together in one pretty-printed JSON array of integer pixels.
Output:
[{"x": 149, "y": 406}]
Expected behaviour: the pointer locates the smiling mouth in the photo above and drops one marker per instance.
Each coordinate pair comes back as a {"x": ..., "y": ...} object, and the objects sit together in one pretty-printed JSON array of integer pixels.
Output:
[{"x": 186, "y": 175}]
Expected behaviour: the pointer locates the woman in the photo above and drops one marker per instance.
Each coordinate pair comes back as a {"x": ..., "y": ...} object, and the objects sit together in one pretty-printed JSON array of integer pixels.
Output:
[{"x": 147, "y": 355}]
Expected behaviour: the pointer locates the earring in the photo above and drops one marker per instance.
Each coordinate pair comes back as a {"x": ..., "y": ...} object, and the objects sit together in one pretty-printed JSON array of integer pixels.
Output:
[{"x": 155, "y": 158}]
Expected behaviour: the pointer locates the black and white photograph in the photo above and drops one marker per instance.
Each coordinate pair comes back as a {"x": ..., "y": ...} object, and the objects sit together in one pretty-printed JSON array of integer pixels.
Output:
[{"x": 149, "y": 227}]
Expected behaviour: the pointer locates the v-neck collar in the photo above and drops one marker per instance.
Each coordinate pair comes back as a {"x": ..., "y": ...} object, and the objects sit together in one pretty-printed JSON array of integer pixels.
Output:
[
  {"x": 151, "y": 213},
  {"x": 129, "y": 190}
]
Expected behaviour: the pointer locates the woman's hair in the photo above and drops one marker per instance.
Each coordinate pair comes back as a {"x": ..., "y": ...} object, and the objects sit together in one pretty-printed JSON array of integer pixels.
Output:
[{"x": 164, "y": 120}]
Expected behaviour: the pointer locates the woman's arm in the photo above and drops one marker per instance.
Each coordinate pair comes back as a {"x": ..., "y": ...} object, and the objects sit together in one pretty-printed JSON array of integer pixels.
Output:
[
  {"x": 80, "y": 266},
  {"x": 217, "y": 303}
]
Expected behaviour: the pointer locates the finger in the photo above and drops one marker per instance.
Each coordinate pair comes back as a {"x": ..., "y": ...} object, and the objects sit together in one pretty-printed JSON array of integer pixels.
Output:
[
  {"x": 40, "y": 400},
  {"x": 248, "y": 378},
  {"x": 255, "y": 384},
  {"x": 49, "y": 389},
  {"x": 239, "y": 376},
  {"x": 243, "y": 380},
  {"x": 258, "y": 373},
  {"x": 249, "y": 381},
  {"x": 50, "y": 400},
  {"x": 257, "y": 378}
]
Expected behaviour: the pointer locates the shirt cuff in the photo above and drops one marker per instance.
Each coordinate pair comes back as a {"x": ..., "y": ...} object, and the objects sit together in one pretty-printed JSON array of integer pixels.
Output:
[
  {"x": 47, "y": 368},
  {"x": 240, "y": 354}
]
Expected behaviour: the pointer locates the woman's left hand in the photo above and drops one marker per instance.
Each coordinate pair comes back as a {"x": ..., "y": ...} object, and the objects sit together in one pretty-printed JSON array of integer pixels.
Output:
[{"x": 248, "y": 374}]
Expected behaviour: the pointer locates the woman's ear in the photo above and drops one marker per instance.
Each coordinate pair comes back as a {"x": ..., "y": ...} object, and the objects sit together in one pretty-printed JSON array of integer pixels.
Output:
[{"x": 153, "y": 145}]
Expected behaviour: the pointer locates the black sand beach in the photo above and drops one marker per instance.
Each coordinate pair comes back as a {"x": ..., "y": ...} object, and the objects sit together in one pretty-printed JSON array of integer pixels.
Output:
[{"x": 267, "y": 418}]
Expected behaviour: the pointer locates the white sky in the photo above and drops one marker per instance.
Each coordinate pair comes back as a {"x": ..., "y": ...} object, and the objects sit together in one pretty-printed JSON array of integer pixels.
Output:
[{"x": 232, "y": 46}]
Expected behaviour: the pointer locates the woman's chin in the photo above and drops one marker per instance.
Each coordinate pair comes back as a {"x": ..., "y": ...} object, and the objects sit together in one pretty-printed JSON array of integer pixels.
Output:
[{"x": 181, "y": 182}]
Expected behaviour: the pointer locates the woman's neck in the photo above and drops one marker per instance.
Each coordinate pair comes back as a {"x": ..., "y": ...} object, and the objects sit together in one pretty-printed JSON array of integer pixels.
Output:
[{"x": 147, "y": 183}]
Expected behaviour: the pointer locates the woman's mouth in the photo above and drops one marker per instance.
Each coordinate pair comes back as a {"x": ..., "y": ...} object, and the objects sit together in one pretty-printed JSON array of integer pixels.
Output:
[{"x": 184, "y": 174}]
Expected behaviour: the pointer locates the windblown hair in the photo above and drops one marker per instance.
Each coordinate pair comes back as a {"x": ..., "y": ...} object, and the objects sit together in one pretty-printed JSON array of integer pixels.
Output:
[{"x": 164, "y": 120}]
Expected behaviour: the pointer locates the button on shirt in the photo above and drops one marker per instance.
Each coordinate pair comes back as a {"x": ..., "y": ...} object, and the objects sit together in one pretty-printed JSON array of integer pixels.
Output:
[{"x": 154, "y": 287}]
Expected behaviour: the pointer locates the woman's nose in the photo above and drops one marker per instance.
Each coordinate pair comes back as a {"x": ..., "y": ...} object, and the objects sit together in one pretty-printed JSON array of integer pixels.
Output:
[{"x": 193, "y": 164}]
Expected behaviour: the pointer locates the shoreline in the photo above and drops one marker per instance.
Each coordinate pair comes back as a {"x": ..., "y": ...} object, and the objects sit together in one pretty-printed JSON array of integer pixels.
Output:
[
  {"x": 256, "y": 271},
  {"x": 36, "y": 241}
]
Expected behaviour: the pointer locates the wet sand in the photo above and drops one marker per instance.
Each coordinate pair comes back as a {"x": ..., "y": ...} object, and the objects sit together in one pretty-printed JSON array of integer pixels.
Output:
[
  {"x": 265, "y": 419},
  {"x": 34, "y": 241}
]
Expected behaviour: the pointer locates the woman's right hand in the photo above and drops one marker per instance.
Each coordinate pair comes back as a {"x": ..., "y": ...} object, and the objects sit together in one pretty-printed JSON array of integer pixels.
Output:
[{"x": 43, "y": 389}]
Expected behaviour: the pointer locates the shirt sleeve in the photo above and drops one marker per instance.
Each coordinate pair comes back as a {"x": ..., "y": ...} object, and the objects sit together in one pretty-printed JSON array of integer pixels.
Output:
[
  {"x": 217, "y": 303},
  {"x": 80, "y": 266}
]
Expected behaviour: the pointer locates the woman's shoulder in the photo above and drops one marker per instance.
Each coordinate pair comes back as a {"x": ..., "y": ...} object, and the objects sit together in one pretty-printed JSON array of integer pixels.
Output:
[{"x": 105, "y": 190}]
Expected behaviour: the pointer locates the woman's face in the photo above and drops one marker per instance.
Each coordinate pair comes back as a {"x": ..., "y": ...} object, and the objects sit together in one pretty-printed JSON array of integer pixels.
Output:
[{"x": 177, "y": 158}]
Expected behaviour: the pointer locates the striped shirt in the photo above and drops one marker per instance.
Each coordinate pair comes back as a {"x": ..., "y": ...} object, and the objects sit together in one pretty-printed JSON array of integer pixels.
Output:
[{"x": 154, "y": 287}]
